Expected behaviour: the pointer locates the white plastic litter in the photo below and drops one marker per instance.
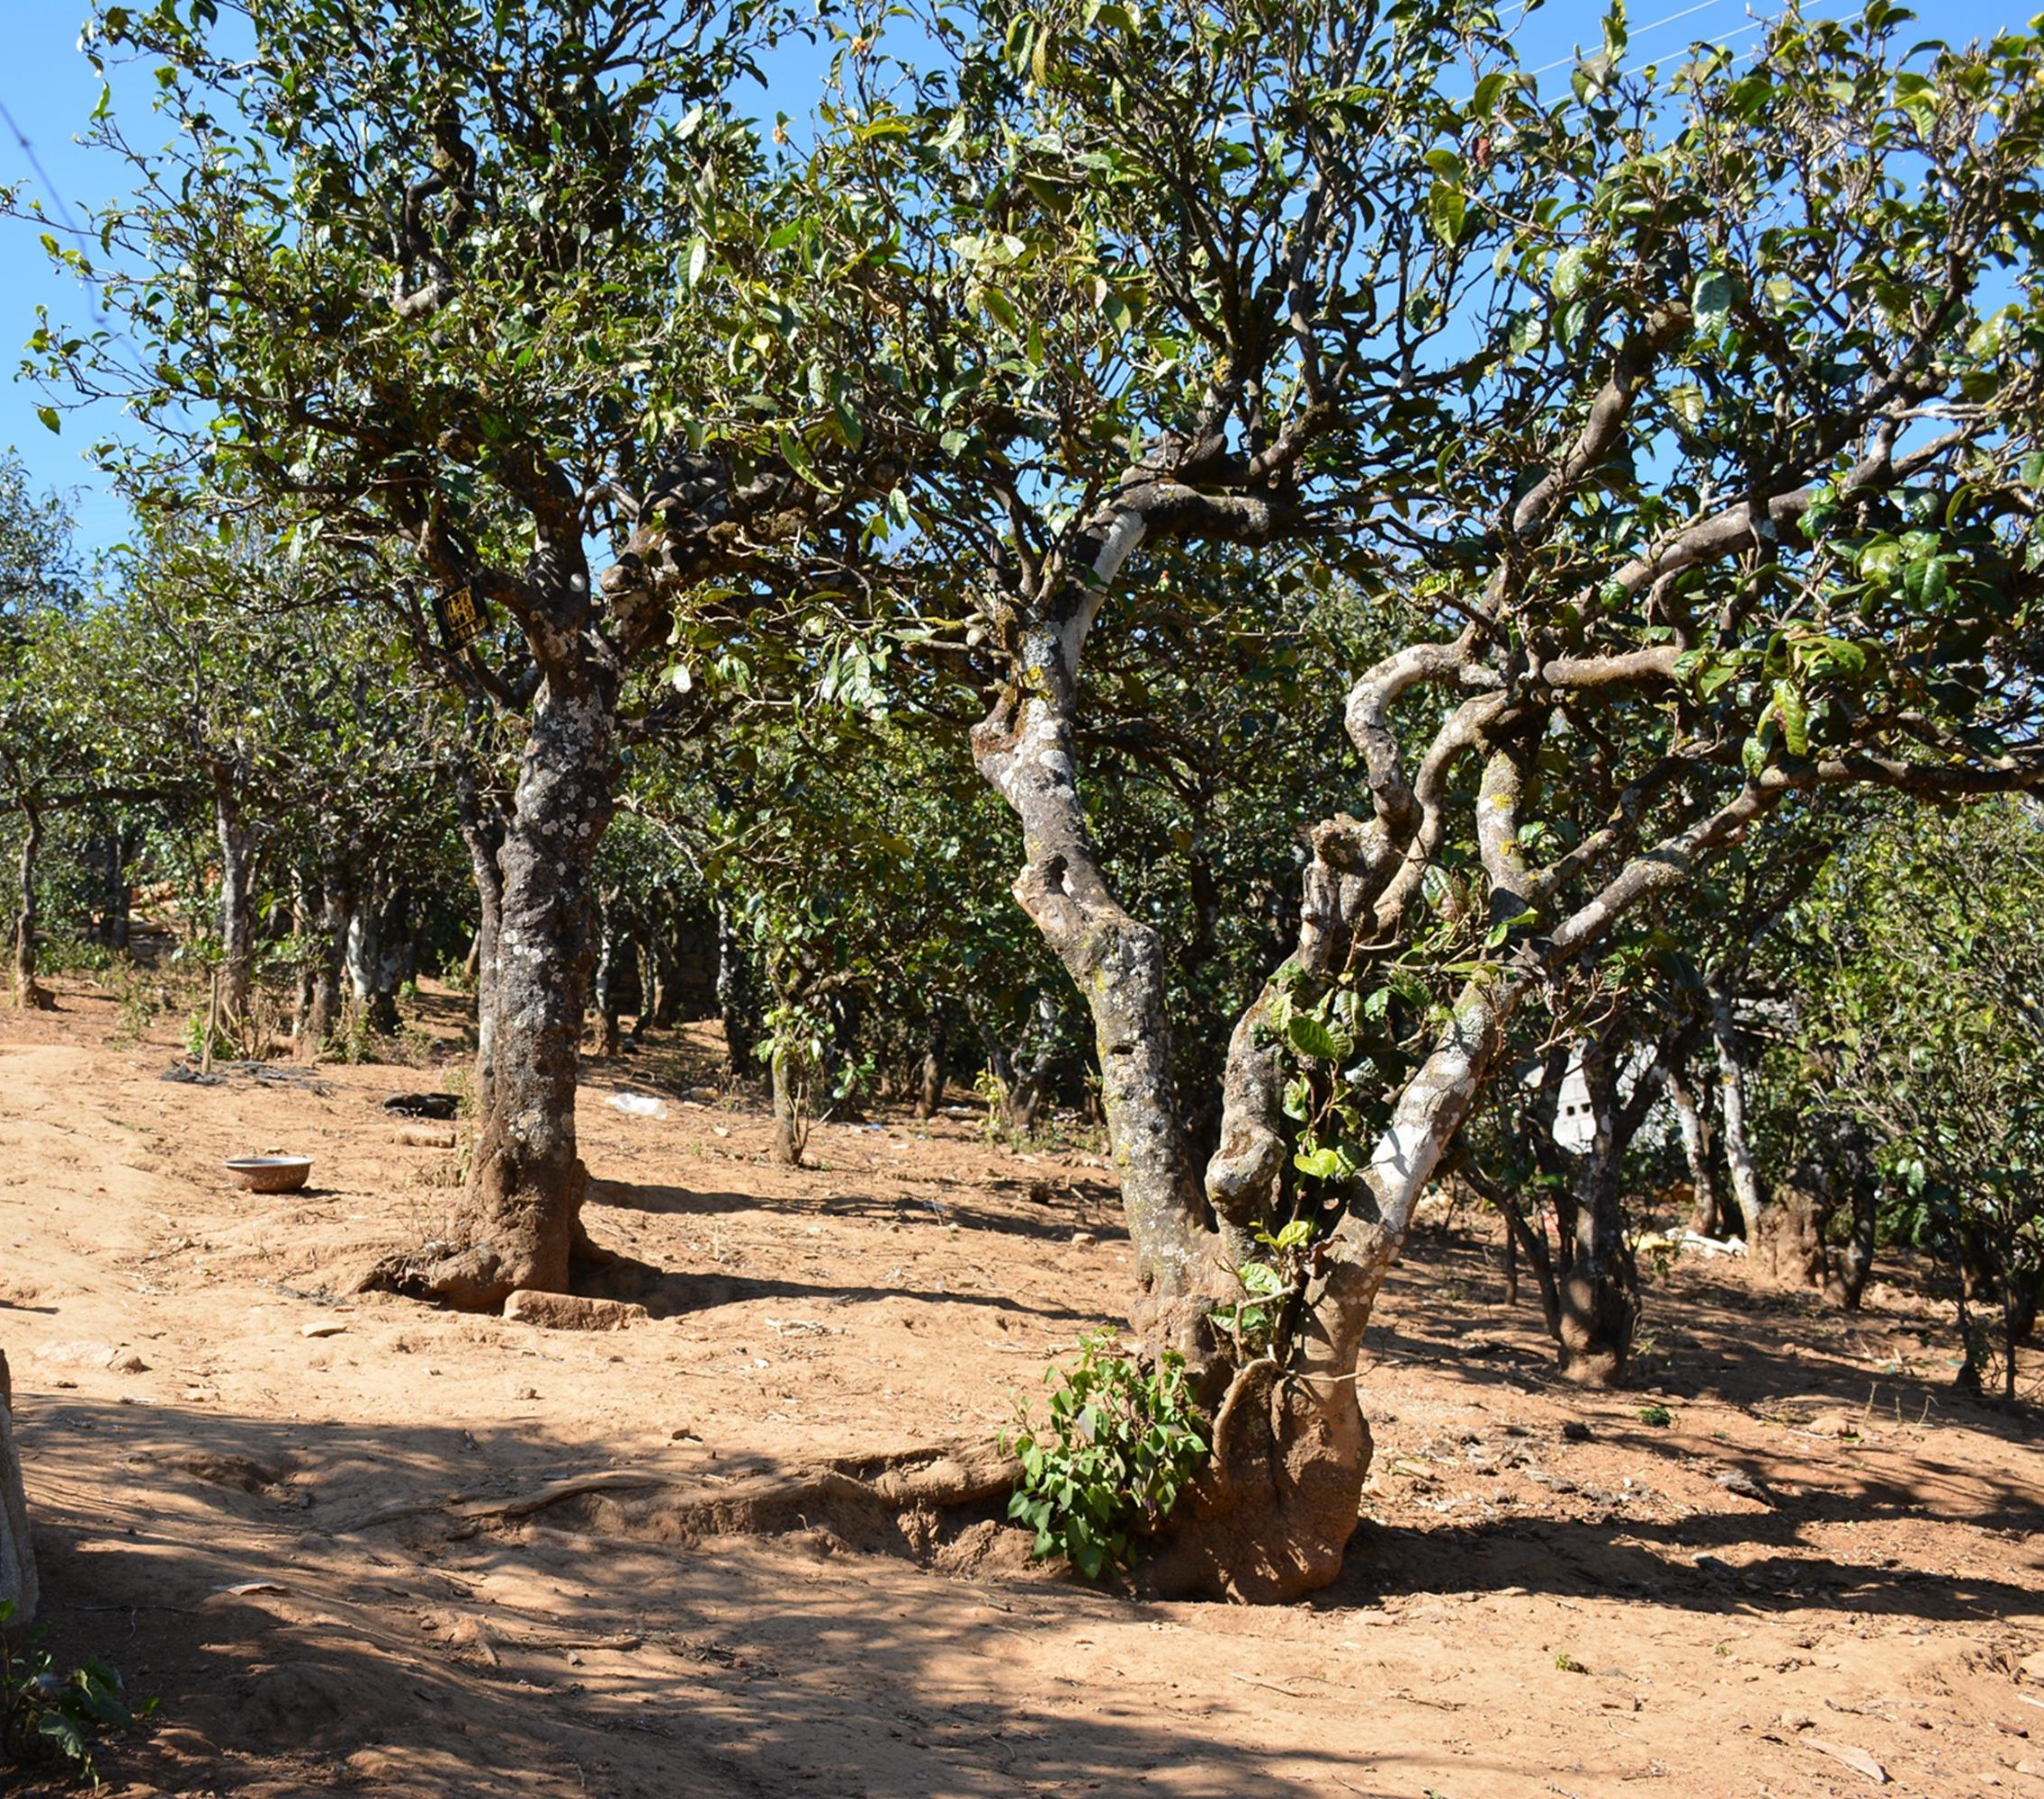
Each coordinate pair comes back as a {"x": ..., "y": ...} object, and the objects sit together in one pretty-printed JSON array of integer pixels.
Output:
[
  {"x": 639, "y": 1105},
  {"x": 1707, "y": 1246}
]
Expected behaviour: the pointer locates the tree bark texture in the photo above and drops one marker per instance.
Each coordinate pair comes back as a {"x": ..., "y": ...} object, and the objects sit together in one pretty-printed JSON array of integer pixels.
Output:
[
  {"x": 323, "y": 1016},
  {"x": 237, "y": 920},
  {"x": 1732, "y": 1099},
  {"x": 518, "y": 1222},
  {"x": 1847, "y": 1265},
  {"x": 28, "y": 992},
  {"x": 17, "y": 1551},
  {"x": 1706, "y": 1206},
  {"x": 791, "y": 1113},
  {"x": 305, "y": 930},
  {"x": 930, "y": 1076},
  {"x": 1025, "y": 750},
  {"x": 1598, "y": 1285},
  {"x": 482, "y": 832},
  {"x": 610, "y": 1040},
  {"x": 119, "y": 913}
]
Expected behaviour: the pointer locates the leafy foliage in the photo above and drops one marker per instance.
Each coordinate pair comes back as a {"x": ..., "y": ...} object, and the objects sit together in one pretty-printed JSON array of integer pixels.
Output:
[
  {"x": 1121, "y": 1442},
  {"x": 1923, "y": 1009},
  {"x": 47, "y": 1716},
  {"x": 1255, "y": 1323}
]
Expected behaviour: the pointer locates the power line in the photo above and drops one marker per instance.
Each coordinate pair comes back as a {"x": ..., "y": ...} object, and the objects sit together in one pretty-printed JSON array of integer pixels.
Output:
[
  {"x": 42, "y": 173},
  {"x": 64, "y": 217},
  {"x": 1701, "y": 7}
]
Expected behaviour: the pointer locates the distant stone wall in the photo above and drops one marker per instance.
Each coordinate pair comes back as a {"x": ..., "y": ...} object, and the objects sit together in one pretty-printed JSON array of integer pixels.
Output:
[{"x": 17, "y": 1554}]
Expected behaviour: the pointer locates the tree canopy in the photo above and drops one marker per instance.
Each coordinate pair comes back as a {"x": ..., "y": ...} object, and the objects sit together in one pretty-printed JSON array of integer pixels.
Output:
[{"x": 1410, "y": 579}]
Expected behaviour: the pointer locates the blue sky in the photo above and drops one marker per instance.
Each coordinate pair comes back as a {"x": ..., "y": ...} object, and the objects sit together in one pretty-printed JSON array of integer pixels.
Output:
[{"x": 47, "y": 89}]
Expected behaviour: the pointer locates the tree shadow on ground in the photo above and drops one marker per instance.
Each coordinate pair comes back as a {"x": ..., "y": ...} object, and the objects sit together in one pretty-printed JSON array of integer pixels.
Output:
[
  {"x": 1056, "y": 1218},
  {"x": 425, "y": 1655},
  {"x": 666, "y": 1292},
  {"x": 1634, "y": 1559}
]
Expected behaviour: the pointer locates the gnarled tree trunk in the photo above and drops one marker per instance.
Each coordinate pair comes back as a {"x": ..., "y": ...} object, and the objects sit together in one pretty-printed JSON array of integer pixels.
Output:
[
  {"x": 1598, "y": 1285},
  {"x": 930, "y": 1074},
  {"x": 1847, "y": 1265},
  {"x": 610, "y": 1039},
  {"x": 1025, "y": 749},
  {"x": 482, "y": 833},
  {"x": 791, "y": 1111},
  {"x": 119, "y": 909},
  {"x": 1789, "y": 1246},
  {"x": 305, "y": 930},
  {"x": 323, "y": 1014},
  {"x": 1706, "y": 1206}
]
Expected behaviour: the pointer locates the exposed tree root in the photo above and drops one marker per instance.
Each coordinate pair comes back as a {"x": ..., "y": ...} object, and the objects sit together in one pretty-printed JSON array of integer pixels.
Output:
[
  {"x": 893, "y": 1503},
  {"x": 1268, "y": 1520},
  {"x": 466, "y": 1280},
  {"x": 476, "y": 1279}
]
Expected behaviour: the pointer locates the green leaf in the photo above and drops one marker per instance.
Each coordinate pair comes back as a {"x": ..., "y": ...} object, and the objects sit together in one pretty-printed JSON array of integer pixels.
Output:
[
  {"x": 1001, "y": 310},
  {"x": 794, "y": 453},
  {"x": 50, "y": 417},
  {"x": 1570, "y": 268},
  {"x": 1710, "y": 303},
  {"x": 1916, "y": 96},
  {"x": 1105, "y": 13},
  {"x": 1879, "y": 560},
  {"x": 1311, "y": 1038},
  {"x": 1447, "y": 211},
  {"x": 1795, "y": 718}
]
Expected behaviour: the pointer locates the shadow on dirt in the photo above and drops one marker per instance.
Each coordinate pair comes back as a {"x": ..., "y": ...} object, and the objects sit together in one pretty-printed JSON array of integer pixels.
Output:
[
  {"x": 1055, "y": 1211},
  {"x": 666, "y": 1292},
  {"x": 425, "y": 1655},
  {"x": 1676, "y": 1565}
]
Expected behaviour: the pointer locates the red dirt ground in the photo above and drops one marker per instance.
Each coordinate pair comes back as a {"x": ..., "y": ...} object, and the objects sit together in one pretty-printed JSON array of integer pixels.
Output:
[{"x": 251, "y": 1521}]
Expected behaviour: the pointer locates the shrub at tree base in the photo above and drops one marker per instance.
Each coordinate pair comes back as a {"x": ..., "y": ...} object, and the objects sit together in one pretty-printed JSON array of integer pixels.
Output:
[{"x": 1121, "y": 1443}]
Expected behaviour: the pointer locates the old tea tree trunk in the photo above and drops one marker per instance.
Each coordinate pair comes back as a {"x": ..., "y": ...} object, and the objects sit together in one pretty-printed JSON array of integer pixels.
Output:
[
  {"x": 517, "y": 1223},
  {"x": 520, "y": 1213},
  {"x": 1271, "y": 1514}
]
